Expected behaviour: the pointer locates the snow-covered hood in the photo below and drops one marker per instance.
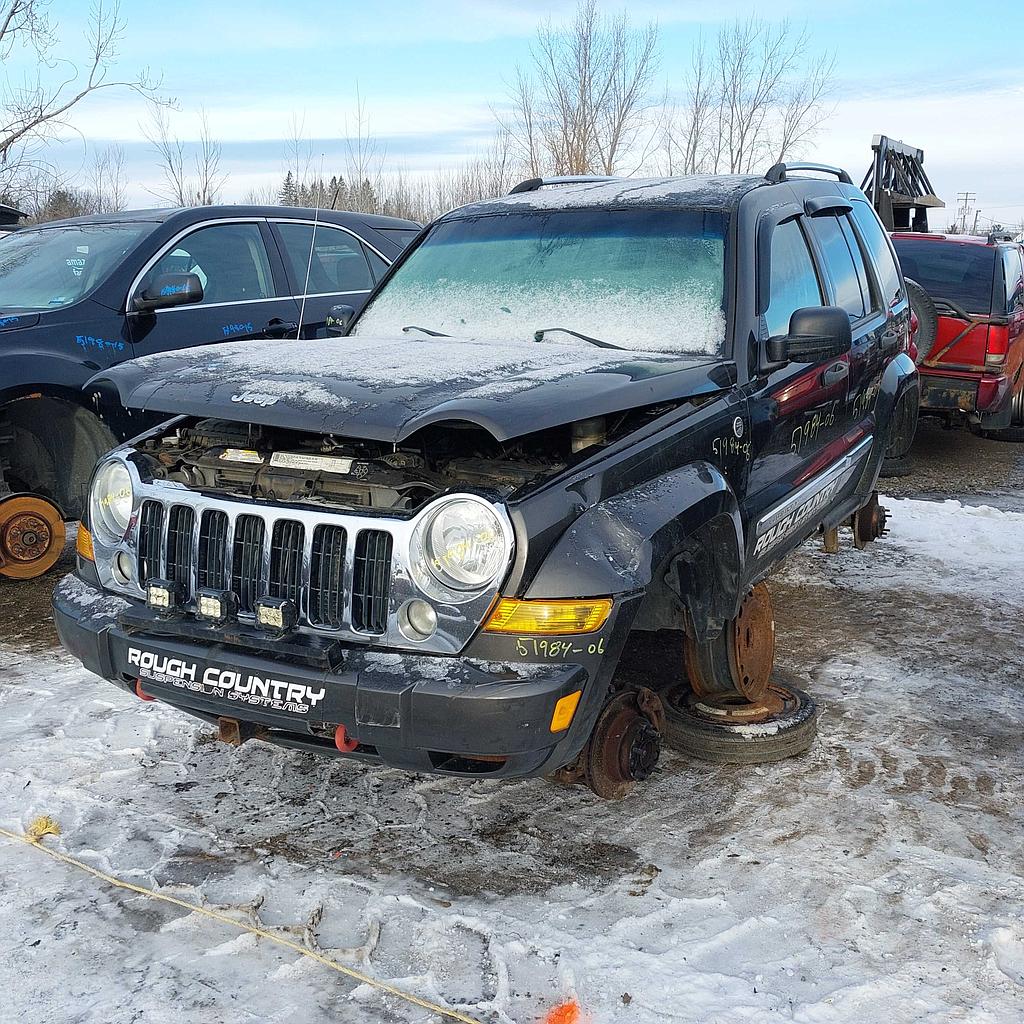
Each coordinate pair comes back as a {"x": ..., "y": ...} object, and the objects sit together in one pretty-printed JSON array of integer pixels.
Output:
[{"x": 388, "y": 388}]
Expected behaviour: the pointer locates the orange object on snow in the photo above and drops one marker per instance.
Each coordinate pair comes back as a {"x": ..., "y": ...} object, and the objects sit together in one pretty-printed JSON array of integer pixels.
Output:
[{"x": 565, "y": 1013}]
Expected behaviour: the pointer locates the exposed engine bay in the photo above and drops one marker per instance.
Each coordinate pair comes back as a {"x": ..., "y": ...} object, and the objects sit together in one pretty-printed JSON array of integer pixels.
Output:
[{"x": 255, "y": 461}]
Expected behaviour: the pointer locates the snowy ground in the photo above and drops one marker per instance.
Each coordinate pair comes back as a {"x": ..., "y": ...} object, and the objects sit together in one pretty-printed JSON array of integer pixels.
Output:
[{"x": 876, "y": 879}]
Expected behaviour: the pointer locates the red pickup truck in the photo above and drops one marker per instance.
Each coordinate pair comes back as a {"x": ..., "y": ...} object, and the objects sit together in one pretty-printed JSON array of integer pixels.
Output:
[{"x": 972, "y": 370}]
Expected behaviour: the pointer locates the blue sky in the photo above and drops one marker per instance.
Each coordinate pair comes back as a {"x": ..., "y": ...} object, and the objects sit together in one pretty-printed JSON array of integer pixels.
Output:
[{"x": 947, "y": 78}]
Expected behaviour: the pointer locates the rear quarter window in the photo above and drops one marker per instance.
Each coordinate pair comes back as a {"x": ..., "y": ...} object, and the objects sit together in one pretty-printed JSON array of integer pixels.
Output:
[
  {"x": 400, "y": 236},
  {"x": 960, "y": 271}
]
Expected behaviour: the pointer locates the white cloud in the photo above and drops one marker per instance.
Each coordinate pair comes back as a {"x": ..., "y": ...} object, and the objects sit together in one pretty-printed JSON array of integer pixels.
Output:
[{"x": 970, "y": 140}]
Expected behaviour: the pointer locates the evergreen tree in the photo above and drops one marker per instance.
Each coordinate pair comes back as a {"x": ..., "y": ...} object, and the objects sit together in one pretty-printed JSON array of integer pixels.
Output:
[{"x": 289, "y": 193}]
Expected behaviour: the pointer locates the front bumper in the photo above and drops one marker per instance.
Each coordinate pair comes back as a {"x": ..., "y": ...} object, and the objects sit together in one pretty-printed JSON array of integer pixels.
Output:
[{"x": 483, "y": 715}]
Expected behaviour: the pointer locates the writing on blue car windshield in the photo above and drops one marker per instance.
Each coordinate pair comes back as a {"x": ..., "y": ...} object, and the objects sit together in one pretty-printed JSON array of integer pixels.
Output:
[
  {"x": 648, "y": 280},
  {"x": 51, "y": 267}
]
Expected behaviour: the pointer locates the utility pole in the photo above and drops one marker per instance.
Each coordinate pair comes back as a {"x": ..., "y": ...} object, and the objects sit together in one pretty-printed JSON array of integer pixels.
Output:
[{"x": 965, "y": 202}]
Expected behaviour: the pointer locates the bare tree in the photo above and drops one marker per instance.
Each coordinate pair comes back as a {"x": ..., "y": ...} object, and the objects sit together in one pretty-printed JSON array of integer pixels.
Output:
[
  {"x": 688, "y": 127},
  {"x": 34, "y": 108},
  {"x": 583, "y": 104},
  {"x": 364, "y": 162},
  {"x": 186, "y": 182},
  {"x": 805, "y": 106},
  {"x": 491, "y": 173},
  {"x": 752, "y": 99},
  {"x": 109, "y": 181}
]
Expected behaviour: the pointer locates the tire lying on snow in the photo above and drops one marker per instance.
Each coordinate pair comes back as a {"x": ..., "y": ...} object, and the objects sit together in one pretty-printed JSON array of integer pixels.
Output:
[{"x": 790, "y": 733}]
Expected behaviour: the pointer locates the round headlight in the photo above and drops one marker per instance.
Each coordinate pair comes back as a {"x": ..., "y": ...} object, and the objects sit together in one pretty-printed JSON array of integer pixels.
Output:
[
  {"x": 464, "y": 544},
  {"x": 111, "y": 500}
]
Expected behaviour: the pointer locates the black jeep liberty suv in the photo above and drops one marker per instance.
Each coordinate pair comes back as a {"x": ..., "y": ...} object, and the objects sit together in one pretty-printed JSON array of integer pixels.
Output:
[{"x": 590, "y": 408}]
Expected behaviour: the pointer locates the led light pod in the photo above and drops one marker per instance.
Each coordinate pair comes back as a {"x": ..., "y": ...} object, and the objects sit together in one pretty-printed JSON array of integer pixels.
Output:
[
  {"x": 216, "y": 606},
  {"x": 276, "y": 614},
  {"x": 165, "y": 597}
]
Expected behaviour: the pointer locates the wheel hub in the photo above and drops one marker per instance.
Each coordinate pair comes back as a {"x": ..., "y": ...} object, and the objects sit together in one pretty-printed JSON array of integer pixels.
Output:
[
  {"x": 869, "y": 523},
  {"x": 31, "y": 536},
  {"x": 26, "y": 537},
  {"x": 644, "y": 750},
  {"x": 626, "y": 743}
]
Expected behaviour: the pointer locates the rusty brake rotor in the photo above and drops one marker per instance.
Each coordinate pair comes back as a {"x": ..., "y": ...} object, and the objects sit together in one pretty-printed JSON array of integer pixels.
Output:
[
  {"x": 625, "y": 744},
  {"x": 32, "y": 536}
]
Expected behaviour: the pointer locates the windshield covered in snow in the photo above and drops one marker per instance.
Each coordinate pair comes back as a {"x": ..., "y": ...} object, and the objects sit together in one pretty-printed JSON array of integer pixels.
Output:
[
  {"x": 648, "y": 280},
  {"x": 53, "y": 267}
]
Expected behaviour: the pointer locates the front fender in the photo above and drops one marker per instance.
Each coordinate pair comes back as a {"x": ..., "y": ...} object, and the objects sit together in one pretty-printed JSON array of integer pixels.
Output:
[
  {"x": 899, "y": 376},
  {"x": 899, "y": 379},
  {"x": 29, "y": 372},
  {"x": 618, "y": 545}
]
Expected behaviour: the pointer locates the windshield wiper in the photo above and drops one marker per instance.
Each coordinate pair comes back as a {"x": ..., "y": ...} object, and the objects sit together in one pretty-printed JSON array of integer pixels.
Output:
[
  {"x": 539, "y": 336},
  {"x": 425, "y": 330}
]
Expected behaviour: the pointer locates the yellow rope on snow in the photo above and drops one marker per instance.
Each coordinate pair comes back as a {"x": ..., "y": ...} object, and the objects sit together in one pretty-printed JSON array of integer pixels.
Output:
[{"x": 46, "y": 826}]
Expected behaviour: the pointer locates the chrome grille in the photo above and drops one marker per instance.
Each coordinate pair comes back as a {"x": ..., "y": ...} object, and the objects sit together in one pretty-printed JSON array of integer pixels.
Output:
[
  {"x": 371, "y": 582},
  {"x": 340, "y": 579},
  {"x": 326, "y": 576},
  {"x": 247, "y": 561},
  {"x": 151, "y": 524},
  {"x": 211, "y": 570},
  {"x": 181, "y": 522},
  {"x": 286, "y": 545}
]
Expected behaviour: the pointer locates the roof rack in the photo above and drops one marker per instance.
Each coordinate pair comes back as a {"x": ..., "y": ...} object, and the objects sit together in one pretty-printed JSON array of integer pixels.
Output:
[
  {"x": 533, "y": 184},
  {"x": 779, "y": 172}
]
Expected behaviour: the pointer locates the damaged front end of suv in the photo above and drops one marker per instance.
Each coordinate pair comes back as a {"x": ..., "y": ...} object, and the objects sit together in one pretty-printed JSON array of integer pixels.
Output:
[
  {"x": 369, "y": 596},
  {"x": 427, "y": 543}
]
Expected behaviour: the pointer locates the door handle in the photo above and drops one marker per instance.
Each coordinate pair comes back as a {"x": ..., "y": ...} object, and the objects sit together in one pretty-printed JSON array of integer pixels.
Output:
[
  {"x": 834, "y": 374},
  {"x": 278, "y": 328},
  {"x": 890, "y": 341}
]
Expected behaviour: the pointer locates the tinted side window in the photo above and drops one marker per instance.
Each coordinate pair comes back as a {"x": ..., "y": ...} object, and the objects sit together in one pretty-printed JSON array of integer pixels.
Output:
[
  {"x": 377, "y": 265},
  {"x": 337, "y": 263},
  {"x": 229, "y": 259},
  {"x": 877, "y": 244},
  {"x": 1012, "y": 283},
  {"x": 841, "y": 266},
  {"x": 794, "y": 283},
  {"x": 401, "y": 236}
]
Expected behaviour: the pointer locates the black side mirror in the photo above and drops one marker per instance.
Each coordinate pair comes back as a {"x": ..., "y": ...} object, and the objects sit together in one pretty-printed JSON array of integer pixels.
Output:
[
  {"x": 168, "y": 290},
  {"x": 339, "y": 318},
  {"x": 815, "y": 333}
]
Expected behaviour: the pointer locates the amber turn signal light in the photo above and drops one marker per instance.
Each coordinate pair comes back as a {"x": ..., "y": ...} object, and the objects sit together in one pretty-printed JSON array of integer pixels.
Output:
[
  {"x": 83, "y": 545},
  {"x": 564, "y": 710},
  {"x": 544, "y": 618}
]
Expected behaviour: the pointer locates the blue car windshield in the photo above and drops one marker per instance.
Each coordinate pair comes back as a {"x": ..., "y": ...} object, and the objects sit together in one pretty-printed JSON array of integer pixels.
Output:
[
  {"x": 50, "y": 267},
  {"x": 649, "y": 279}
]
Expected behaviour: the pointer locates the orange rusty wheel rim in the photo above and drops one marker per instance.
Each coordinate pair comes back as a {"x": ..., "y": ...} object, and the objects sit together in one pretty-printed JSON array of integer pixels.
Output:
[
  {"x": 32, "y": 537},
  {"x": 752, "y": 654},
  {"x": 737, "y": 664}
]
